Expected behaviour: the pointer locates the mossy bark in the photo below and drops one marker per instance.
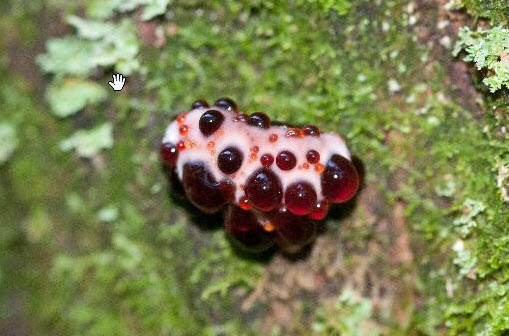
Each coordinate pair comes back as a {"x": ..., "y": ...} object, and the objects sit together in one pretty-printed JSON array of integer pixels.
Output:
[{"x": 98, "y": 245}]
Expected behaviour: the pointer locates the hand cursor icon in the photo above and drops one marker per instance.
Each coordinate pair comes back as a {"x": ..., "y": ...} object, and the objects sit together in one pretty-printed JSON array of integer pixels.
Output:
[{"x": 118, "y": 82}]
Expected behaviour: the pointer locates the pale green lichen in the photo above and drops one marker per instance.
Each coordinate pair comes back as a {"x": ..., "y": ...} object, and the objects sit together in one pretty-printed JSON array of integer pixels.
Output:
[
  {"x": 489, "y": 50},
  {"x": 88, "y": 143}
]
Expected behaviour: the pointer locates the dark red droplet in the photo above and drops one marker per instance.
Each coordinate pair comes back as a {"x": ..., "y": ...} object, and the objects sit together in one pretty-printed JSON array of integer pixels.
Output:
[
  {"x": 300, "y": 198},
  {"x": 203, "y": 190},
  {"x": 227, "y": 104},
  {"x": 200, "y": 103},
  {"x": 266, "y": 160},
  {"x": 285, "y": 160},
  {"x": 230, "y": 160},
  {"x": 319, "y": 211},
  {"x": 263, "y": 189},
  {"x": 313, "y": 156},
  {"x": 243, "y": 227},
  {"x": 340, "y": 179},
  {"x": 293, "y": 232},
  {"x": 311, "y": 130},
  {"x": 259, "y": 119},
  {"x": 210, "y": 122},
  {"x": 169, "y": 153}
]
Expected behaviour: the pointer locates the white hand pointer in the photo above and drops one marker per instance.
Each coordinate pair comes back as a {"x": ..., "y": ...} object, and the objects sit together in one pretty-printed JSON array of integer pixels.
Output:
[{"x": 118, "y": 82}]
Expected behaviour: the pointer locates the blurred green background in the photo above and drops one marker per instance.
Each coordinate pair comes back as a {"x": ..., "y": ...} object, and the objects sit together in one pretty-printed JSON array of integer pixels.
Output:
[{"x": 93, "y": 243}]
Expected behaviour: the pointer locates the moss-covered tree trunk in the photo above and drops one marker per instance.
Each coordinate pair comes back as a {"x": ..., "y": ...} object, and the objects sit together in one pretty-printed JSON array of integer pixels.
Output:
[{"x": 94, "y": 243}]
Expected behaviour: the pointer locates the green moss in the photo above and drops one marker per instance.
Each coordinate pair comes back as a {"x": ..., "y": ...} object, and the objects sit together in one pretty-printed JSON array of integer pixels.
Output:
[
  {"x": 495, "y": 10},
  {"x": 106, "y": 251}
]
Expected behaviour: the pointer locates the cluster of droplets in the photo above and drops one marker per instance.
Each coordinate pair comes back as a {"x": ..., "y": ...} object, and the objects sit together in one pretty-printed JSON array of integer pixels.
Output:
[{"x": 258, "y": 211}]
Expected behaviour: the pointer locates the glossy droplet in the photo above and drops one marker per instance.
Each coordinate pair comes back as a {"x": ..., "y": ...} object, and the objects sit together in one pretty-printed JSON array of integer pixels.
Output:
[
  {"x": 311, "y": 130},
  {"x": 319, "y": 168},
  {"x": 263, "y": 189},
  {"x": 340, "y": 179},
  {"x": 181, "y": 145},
  {"x": 244, "y": 203},
  {"x": 259, "y": 119},
  {"x": 202, "y": 188},
  {"x": 300, "y": 198},
  {"x": 183, "y": 129},
  {"x": 169, "y": 153},
  {"x": 313, "y": 156},
  {"x": 245, "y": 230},
  {"x": 293, "y": 133},
  {"x": 273, "y": 137},
  {"x": 181, "y": 119},
  {"x": 285, "y": 160},
  {"x": 230, "y": 160},
  {"x": 210, "y": 122},
  {"x": 227, "y": 104},
  {"x": 266, "y": 160},
  {"x": 319, "y": 211},
  {"x": 200, "y": 103}
]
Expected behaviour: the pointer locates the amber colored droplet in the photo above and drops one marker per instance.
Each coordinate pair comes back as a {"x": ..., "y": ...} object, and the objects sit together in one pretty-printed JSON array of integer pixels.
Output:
[
  {"x": 244, "y": 203},
  {"x": 311, "y": 130},
  {"x": 181, "y": 146},
  {"x": 211, "y": 145},
  {"x": 305, "y": 165},
  {"x": 319, "y": 168},
  {"x": 219, "y": 133},
  {"x": 268, "y": 226},
  {"x": 313, "y": 156},
  {"x": 293, "y": 133},
  {"x": 255, "y": 149},
  {"x": 184, "y": 129},
  {"x": 193, "y": 144},
  {"x": 181, "y": 119},
  {"x": 273, "y": 137},
  {"x": 188, "y": 143},
  {"x": 253, "y": 156}
]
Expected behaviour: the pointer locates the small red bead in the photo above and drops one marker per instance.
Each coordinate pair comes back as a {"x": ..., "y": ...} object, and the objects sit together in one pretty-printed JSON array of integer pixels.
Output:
[
  {"x": 266, "y": 160},
  {"x": 244, "y": 203},
  {"x": 255, "y": 149},
  {"x": 293, "y": 133},
  {"x": 273, "y": 137},
  {"x": 181, "y": 146},
  {"x": 184, "y": 129},
  {"x": 313, "y": 156},
  {"x": 181, "y": 119}
]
